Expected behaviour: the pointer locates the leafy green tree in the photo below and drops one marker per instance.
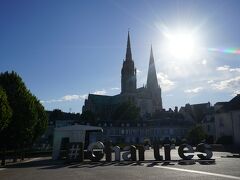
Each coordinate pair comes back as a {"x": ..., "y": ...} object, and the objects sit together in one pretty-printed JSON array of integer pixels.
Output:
[
  {"x": 88, "y": 117},
  {"x": 126, "y": 111},
  {"x": 5, "y": 110},
  {"x": 42, "y": 120},
  {"x": 5, "y": 117},
  {"x": 28, "y": 116},
  {"x": 196, "y": 135}
]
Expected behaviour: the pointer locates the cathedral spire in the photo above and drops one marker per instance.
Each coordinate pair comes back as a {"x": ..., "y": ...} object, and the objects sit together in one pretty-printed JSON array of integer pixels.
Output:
[
  {"x": 128, "y": 52},
  {"x": 128, "y": 72},
  {"x": 152, "y": 81},
  {"x": 151, "y": 57}
]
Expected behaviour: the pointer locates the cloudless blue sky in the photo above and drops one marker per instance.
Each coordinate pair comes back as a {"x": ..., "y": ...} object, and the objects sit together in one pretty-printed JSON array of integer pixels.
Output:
[{"x": 64, "y": 50}]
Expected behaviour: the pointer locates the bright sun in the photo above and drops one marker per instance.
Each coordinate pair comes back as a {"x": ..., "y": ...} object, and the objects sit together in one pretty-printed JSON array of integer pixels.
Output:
[{"x": 181, "y": 45}]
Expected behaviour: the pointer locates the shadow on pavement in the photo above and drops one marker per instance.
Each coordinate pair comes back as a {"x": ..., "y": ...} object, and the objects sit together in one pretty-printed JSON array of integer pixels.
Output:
[
  {"x": 37, "y": 163},
  {"x": 53, "y": 164}
]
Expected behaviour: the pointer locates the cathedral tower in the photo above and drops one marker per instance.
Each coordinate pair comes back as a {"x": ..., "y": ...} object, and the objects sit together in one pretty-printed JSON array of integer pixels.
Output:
[
  {"x": 152, "y": 84},
  {"x": 128, "y": 73}
]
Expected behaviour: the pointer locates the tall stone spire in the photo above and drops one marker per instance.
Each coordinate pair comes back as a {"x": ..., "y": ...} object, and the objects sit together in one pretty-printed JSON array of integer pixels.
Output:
[
  {"x": 128, "y": 52},
  {"x": 152, "y": 85},
  {"x": 128, "y": 78},
  {"x": 152, "y": 81}
]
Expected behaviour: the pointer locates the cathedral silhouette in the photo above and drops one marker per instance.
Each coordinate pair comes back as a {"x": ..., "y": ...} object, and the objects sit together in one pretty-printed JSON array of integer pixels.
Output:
[{"x": 147, "y": 98}]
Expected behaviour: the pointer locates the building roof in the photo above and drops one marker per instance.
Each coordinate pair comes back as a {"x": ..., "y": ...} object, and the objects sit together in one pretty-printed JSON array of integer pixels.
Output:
[
  {"x": 99, "y": 99},
  {"x": 233, "y": 104},
  {"x": 105, "y": 100}
]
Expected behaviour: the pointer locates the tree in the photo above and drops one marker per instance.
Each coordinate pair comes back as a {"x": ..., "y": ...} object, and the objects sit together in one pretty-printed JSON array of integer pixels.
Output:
[
  {"x": 5, "y": 118},
  {"x": 42, "y": 120},
  {"x": 56, "y": 114},
  {"x": 5, "y": 110},
  {"x": 28, "y": 116},
  {"x": 196, "y": 135},
  {"x": 88, "y": 116},
  {"x": 126, "y": 111}
]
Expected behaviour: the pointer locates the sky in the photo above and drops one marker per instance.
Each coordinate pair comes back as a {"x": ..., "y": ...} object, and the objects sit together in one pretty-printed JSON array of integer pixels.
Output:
[{"x": 64, "y": 50}]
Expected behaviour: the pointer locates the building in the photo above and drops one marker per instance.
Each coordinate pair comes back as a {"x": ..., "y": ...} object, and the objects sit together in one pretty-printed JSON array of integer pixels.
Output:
[
  {"x": 196, "y": 112},
  {"x": 202, "y": 114},
  {"x": 227, "y": 119},
  {"x": 169, "y": 126},
  {"x": 147, "y": 98},
  {"x": 208, "y": 125}
]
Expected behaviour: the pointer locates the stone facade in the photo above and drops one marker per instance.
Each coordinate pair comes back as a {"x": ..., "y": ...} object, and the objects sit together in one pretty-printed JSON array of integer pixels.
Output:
[
  {"x": 227, "y": 119},
  {"x": 208, "y": 124},
  {"x": 139, "y": 134},
  {"x": 196, "y": 112},
  {"x": 166, "y": 126}
]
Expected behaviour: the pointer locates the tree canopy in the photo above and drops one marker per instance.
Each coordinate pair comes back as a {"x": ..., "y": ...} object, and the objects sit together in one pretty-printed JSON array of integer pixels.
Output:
[
  {"x": 5, "y": 110},
  {"x": 196, "y": 134},
  {"x": 28, "y": 120},
  {"x": 126, "y": 111},
  {"x": 57, "y": 114},
  {"x": 88, "y": 117}
]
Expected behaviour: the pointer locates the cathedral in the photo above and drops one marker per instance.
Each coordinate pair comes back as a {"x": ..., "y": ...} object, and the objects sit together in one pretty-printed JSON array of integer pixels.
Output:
[{"x": 147, "y": 98}]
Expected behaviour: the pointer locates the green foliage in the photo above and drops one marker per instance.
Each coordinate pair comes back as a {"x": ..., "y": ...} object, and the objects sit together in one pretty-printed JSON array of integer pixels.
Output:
[
  {"x": 28, "y": 116},
  {"x": 126, "y": 111},
  {"x": 196, "y": 135},
  {"x": 5, "y": 110},
  {"x": 42, "y": 121},
  {"x": 88, "y": 116},
  {"x": 56, "y": 114}
]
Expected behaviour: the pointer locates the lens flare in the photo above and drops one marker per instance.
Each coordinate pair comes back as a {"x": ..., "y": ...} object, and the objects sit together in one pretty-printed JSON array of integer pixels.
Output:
[{"x": 226, "y": 51}]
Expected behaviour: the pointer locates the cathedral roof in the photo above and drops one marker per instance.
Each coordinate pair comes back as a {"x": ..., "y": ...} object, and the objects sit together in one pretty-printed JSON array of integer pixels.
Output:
[
  {"x": 99, "y": 99},
  {"x": 104, "y": 100}
]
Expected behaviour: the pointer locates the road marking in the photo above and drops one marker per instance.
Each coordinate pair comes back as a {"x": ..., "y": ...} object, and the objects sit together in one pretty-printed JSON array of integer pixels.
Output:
[
  {"x": 199, "y": 172},
  {"x": 2, "y": 169}
]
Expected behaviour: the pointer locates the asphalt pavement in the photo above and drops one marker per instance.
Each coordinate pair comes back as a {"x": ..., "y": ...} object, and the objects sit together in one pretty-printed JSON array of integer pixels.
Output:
[{"x": 224, "y": 168}]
